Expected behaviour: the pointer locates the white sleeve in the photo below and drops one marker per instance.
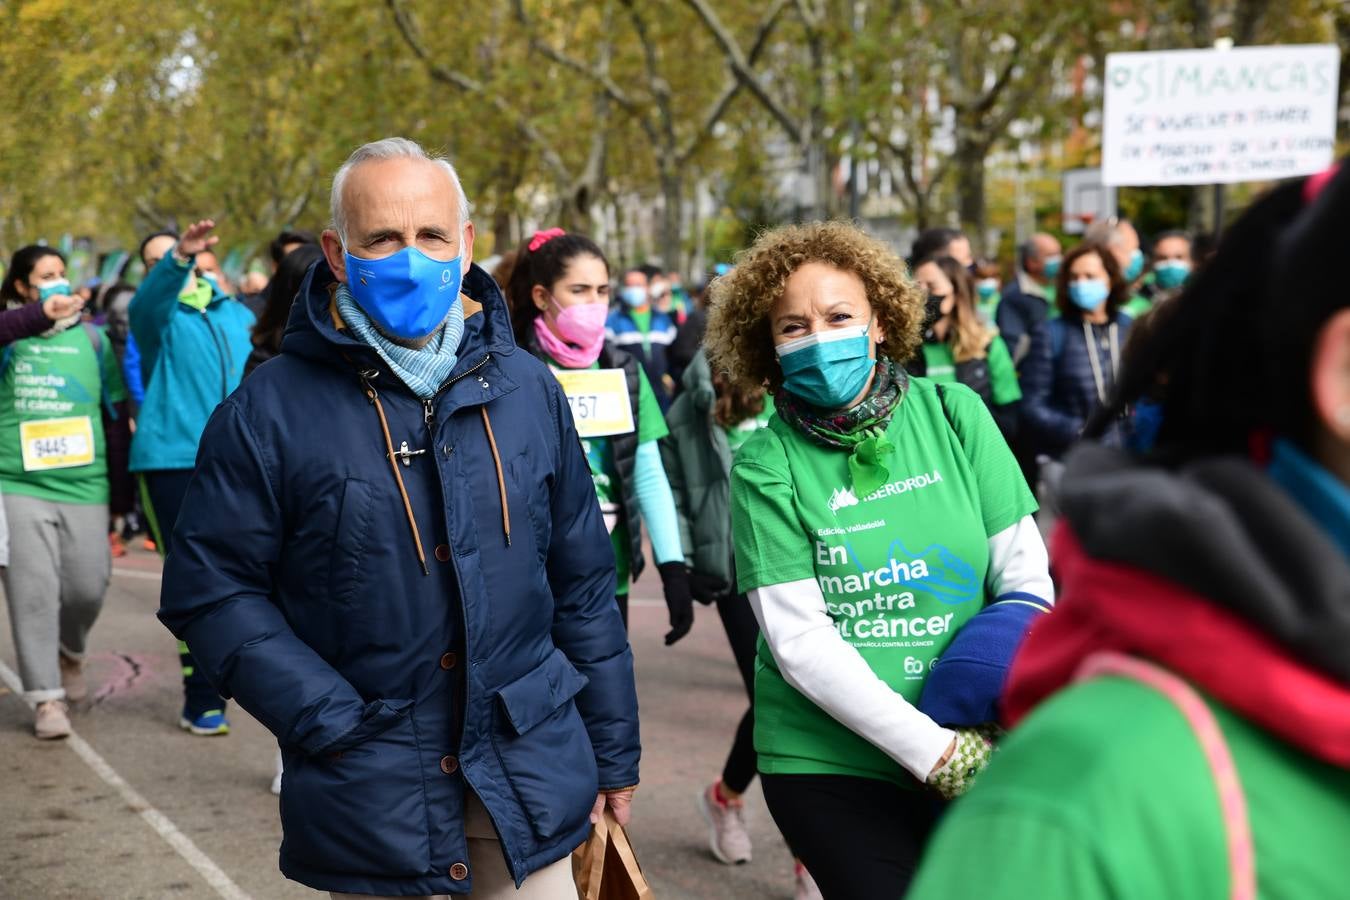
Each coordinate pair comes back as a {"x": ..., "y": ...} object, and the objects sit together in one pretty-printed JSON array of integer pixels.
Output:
[
  {"x": 815, "y": 660},
  {"x": 1018, "y": 563}
]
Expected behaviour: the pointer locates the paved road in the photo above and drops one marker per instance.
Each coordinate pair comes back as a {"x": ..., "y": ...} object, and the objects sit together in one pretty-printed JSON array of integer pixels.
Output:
[{"x": 65, "y": 831}]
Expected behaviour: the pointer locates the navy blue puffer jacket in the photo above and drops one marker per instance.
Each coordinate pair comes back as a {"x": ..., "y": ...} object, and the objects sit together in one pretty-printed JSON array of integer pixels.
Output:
[
  {"x": 503, "y": 668},
  {"x": 1059, "y": 388}
]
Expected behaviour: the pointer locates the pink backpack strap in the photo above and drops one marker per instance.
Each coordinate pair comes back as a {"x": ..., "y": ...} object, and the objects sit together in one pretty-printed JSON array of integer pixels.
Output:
[{"x": 1232, "y": 800}]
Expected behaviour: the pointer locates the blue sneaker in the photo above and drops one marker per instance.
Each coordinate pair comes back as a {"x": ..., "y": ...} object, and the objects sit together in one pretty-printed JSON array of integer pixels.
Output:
[{"x": 208, "y": 724}]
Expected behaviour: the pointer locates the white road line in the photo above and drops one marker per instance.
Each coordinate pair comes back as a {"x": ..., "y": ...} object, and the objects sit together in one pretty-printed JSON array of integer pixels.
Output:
[{"x": 213, "y": 875}]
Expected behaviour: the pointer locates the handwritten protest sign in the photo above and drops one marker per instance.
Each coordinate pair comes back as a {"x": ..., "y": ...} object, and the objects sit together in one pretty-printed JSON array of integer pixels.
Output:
[{"x": 1219, "y": 116}]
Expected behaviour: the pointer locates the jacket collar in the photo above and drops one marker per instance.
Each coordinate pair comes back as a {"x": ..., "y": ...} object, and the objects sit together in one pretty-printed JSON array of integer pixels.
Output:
[{"x": 1323, "y": 497}]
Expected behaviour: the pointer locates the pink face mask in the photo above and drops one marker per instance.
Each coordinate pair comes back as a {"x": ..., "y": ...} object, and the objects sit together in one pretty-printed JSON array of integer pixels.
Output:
[{"x": 577, "y": 334}]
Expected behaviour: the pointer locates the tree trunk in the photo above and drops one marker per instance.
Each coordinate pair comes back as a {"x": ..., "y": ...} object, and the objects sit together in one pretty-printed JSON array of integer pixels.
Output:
[
  {"x": 970, "y": 156},
  {"x": 672, "y": 208}
]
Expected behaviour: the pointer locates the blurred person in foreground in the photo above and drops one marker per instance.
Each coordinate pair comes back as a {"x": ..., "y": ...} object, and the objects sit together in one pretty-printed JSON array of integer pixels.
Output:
[
  {"x": 878, "y": 519},
  {"x": 391, "y": 555},
  {"x": 1182, "y": 722}
]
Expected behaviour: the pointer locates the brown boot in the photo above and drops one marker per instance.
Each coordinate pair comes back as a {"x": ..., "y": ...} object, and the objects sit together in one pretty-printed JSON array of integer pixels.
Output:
[
  {"x": 51, "y": 720},
  {"x": 72, "y": 679}
]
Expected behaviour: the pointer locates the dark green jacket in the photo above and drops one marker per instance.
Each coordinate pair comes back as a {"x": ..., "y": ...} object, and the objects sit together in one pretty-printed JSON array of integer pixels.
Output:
[{"x": 697, "y": 459}]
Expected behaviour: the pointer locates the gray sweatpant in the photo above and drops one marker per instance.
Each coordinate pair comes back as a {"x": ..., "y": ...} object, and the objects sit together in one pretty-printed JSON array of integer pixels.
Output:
[{"x": 59, "y": 568}]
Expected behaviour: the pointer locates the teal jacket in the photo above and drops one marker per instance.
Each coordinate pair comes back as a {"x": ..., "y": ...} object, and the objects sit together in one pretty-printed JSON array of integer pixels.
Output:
[
  {"x": 190, "y": 360},
  {"x": 697, "y": 460}
]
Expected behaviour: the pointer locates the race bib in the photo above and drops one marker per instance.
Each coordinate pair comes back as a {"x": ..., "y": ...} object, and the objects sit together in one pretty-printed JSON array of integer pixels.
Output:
[
  {"x": 599, "y": 401},
  {"x": 57, "y": 443}
]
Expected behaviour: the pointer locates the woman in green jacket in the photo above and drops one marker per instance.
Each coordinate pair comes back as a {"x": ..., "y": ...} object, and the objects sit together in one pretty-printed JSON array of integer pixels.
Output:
[
  {"x": 873, "y": 517},
  {"x": 1183, "y": 719}
]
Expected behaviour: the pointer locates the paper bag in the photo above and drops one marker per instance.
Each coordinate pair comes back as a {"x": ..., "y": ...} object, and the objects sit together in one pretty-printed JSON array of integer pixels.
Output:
[{"x": 605, "y": 867}]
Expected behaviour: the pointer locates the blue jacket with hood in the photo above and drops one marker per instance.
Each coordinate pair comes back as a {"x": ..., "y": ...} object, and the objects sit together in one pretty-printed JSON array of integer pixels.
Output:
[
  {"x": 409, "y": 630},
  {"x": 190, "y": 361}
]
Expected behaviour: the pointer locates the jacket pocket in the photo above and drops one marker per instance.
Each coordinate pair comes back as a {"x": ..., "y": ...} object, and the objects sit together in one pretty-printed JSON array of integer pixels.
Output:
[
  {"x": 350, "y": 538},
  {"x": 543, "y": 746},
  {"x": 363, "y": 810}
]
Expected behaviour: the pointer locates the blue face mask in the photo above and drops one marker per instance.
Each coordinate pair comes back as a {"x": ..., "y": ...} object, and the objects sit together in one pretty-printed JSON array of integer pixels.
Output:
[
  {"x": 633, "y": 296},
  {"x": 1135, "y": 266},
  {"x": 54, "y": 289},
  {"x": 827, "y": 369},
  {"x": 408, "y": 294},
  {"x": 1088, "y": 295},
  {"x": 1171, "y": 273},
  {"x": 986, "y": 289},
  {"x": 212, "y": 280},
  {"x": 1052, "y": 267}
]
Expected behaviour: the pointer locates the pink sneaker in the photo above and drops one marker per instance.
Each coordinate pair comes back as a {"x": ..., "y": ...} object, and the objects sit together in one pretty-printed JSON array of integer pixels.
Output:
[
  {"x": 806, "y": 885},
  {"x": 727, "y": 836}
]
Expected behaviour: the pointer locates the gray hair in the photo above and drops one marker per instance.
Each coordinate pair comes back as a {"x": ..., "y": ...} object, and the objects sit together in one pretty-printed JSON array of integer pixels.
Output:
[{"x": 389, "y": 148}]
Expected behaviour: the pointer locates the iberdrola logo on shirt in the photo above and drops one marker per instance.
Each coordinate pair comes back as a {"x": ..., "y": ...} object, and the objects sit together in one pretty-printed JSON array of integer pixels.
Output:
[{"x": 844, "y": 496}]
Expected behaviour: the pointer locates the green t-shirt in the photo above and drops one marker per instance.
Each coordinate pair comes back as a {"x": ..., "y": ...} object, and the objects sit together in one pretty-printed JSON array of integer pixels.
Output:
[
  {"x": 1104, "y": 792},
  {"x": 1003, "y": 384},
  {"x": 651, "y": 426},
  {"x": 739, "y": 433},
  {"x": 1137, "y": 306},
  {"x": 52, "y": 392},
  {"x": 901, "y": 570}
]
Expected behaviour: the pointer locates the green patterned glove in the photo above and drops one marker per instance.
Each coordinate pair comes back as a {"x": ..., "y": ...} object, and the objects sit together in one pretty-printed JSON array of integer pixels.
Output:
[{"x": 974, "y": 748}]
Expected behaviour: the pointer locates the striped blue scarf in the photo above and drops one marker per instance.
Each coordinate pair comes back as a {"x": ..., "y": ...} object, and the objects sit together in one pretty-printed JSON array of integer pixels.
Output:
[{"x": 424, "y": 370}]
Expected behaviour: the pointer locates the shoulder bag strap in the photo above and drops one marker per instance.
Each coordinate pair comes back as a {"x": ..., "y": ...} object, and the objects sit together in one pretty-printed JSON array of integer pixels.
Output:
[{"x": 1200, "y": 718}]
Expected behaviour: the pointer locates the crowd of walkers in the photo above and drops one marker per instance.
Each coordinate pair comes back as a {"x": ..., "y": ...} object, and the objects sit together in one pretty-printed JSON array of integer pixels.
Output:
[{"x": 853, "y": 457}]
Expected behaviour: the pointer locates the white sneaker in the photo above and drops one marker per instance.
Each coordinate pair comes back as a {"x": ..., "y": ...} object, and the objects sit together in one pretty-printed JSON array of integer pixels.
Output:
[
  {"x": 276, "y": 782},
  {"x": 50, "y": 720},
  {"x": 727, "y": 836}
]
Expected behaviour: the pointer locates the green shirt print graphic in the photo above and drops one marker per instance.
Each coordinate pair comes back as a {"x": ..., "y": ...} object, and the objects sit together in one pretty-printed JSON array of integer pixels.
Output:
[{"x": 900, "y": 570}]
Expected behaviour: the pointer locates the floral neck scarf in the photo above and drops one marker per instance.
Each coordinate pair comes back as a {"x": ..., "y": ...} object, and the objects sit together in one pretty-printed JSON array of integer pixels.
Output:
[{"x": 861, "y": 429}]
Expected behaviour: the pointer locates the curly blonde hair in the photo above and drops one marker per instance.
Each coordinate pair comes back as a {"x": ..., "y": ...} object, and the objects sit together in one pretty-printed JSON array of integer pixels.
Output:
[{"x": 739, "y": 341}]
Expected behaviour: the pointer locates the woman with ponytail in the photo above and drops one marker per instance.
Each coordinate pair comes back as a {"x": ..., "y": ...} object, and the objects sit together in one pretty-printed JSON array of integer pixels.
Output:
[
  {"x": 559, "y": 297},
  {"x": 1182, "y": 722}
]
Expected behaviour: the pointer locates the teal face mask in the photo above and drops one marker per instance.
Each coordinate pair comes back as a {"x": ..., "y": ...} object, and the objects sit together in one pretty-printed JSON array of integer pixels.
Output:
[
  {"x": 59, "y": 288},
  {"x": 986, "y": 289},
  {"x": 1052, "y": 265},
  {"x": 827, "y": 369},
  {"x": 1135, "y": 266},
  {"x": 1171, "y": 273}
]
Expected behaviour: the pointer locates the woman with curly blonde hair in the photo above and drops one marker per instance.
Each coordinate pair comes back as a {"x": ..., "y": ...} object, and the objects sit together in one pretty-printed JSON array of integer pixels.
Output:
[
  {"x": 873, "y": 518},
  {"x": 959, "y": 345}
]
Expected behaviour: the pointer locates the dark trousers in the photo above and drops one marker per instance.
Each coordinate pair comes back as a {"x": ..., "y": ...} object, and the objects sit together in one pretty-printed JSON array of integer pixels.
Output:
[
  {"x": 860, "y": 838},
  {"x": 162, "y": 494},
  {"x": 738, "y": 620}
]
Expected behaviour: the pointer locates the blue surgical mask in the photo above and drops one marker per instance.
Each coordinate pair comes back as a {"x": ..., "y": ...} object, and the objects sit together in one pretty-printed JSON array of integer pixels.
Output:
[
  {"x": 59, "y": 288},
  {"x": 987, "y": 289},
  {"x": 829, "y": 368},
  {"x": 1171, "y": 273},
  {"x": 1088, "y": 295},
  {"x": 633, "y": 295},
  {"x": 408, "y": 294},
  {"x": 1052, "y": 265},
  {"x": 211, "y": 279},
  {"x": 1135, "y": 266}
]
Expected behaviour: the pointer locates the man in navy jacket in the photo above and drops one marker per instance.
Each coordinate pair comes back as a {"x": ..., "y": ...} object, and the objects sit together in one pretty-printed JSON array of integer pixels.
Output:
[{"x": 392, "y": 556}]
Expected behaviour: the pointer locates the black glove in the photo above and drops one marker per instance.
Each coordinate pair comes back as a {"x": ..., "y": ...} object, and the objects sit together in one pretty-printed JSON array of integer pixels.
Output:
[
  {"x": 707, "y": 589},
  {"x": 675, "y": 584}
]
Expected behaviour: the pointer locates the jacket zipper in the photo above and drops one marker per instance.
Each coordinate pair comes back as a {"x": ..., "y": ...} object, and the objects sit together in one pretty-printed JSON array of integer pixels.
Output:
[
  {"x": 429, "y": 417},
  {"x": 224, "y": 363}
]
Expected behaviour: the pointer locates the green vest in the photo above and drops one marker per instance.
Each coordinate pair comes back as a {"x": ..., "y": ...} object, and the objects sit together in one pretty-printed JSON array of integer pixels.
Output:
[{"x": 52, "y": 391}]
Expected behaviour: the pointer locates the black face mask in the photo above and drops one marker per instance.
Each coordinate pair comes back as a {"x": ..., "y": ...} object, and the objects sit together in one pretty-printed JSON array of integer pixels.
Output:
[{"x": 932, "y": 313}]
